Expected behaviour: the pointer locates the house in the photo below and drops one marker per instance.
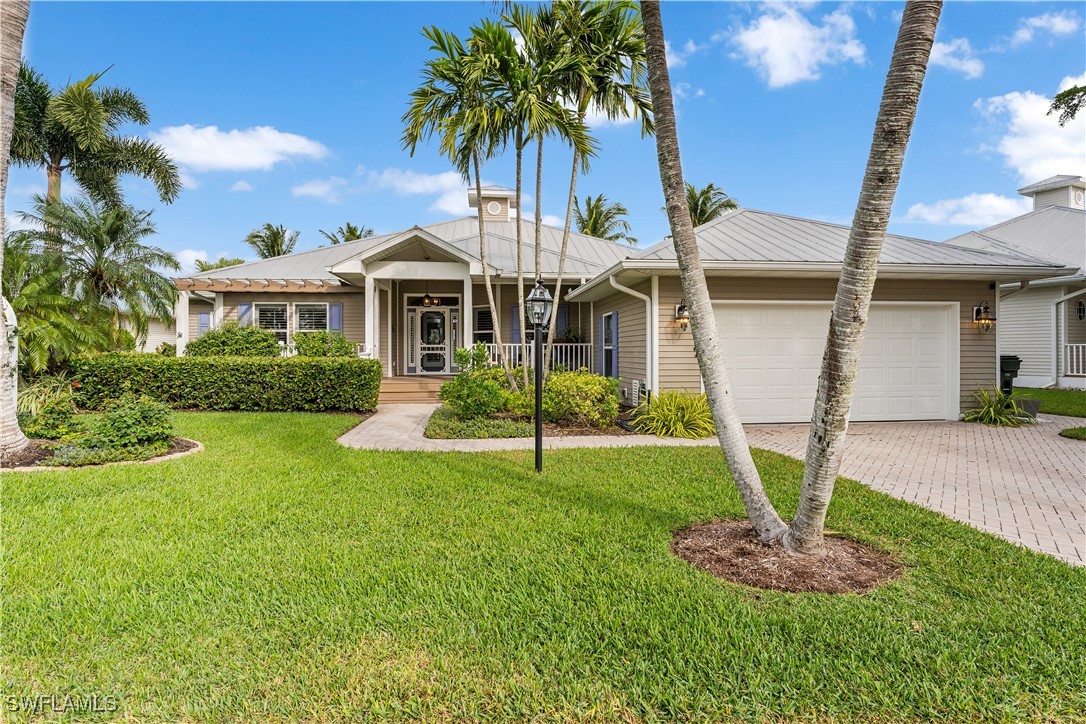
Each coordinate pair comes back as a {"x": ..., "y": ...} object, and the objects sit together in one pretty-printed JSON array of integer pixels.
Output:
[
  {"x": 1043, "y": 321},
  {"x": 410, "y": 298}
]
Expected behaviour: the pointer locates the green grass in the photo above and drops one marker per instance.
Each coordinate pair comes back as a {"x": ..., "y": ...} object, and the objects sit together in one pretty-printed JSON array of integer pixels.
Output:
[
  {"x": 445, "y": 425},
  {"x": 279, "y": 576},
  {"x": 1075, "y": 433},
  {"x": 1057, "y": 402}
]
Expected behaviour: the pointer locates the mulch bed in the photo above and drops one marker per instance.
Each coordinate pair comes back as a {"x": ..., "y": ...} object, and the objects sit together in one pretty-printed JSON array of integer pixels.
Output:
[
  {"x": 38, "y": 453},
  {"x": 729, "y": 549}
]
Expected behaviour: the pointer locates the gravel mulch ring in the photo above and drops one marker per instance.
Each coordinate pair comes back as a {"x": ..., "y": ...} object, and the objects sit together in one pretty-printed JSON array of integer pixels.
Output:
[{"x": 730, "y": 550}]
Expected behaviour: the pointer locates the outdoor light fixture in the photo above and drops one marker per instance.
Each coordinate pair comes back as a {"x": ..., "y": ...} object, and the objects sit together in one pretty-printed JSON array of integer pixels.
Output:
[
  {"x": 538, "y": 307},
  {"x": 428, "y": 301},
  {"x": 982, "y": 318},
  {"x": 682, "y": 316}
]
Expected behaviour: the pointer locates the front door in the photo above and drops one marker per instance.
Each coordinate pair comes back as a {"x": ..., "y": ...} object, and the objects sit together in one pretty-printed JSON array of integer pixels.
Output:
[{"x": 433, "y": 341}]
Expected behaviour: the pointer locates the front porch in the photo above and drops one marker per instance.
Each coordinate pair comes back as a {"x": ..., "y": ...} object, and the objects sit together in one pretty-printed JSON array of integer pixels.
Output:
[{"x": 1074, "y": 366}]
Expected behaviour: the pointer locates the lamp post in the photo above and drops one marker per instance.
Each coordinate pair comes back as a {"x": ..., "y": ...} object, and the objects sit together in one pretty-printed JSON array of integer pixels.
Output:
[{"x": 539, "y": 306}]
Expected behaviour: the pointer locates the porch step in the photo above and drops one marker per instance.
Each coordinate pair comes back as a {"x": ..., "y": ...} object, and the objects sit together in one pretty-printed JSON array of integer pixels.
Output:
[{"x": 408, "y": 390}]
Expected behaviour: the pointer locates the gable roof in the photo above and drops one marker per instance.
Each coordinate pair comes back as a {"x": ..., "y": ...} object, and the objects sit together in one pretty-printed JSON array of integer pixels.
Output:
[
  {"x": 1053, "y": 232},
  {"x": 1053, "y": 182}
]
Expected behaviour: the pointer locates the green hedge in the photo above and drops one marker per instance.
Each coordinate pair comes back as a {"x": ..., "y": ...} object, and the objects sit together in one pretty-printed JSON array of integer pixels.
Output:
[
  {"x": 232, "y": 340},
  {"x": 275, "y": 384}
]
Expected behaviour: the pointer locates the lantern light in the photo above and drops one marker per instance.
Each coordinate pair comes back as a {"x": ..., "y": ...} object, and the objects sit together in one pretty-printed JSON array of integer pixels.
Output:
[
  {"x": 682, "y": 316},
  {"x": 983, "y": 319}
]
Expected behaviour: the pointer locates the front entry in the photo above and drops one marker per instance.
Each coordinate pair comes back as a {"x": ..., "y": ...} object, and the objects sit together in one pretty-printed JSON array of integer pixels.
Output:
[{"x": 431, "y": 339}]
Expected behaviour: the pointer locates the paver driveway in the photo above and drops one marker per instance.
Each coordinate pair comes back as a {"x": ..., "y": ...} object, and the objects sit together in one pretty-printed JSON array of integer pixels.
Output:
[{"x": 1025, "y": 484}]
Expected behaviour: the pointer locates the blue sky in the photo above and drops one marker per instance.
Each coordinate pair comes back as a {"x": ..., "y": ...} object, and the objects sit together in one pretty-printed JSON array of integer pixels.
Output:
[{"x": 290, "y": 112}]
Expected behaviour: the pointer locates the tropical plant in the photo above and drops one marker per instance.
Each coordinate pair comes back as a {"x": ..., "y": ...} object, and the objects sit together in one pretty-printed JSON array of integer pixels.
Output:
[
  {"x": 269, "y": 241},
  {"x": 13, "y": 16},
  {"x": 675, "y": 414},
  {"x": 348, "y": 232},
  {"x": 234, "y": 340},
  {"x": 603, "y": 219},
  {"x": 76, "y": 129},
  {"x": 904, "y": 80},
  {"x": 108, "y": 266},
  {"x": 34, "y": 396},
  {"x": 450, "y": 102},
  {"x": 707, "y": 203},
  {"x": 221, "y": 263},
  {"x": 1068, "y": 103},
  {"x": 995, "y": 408}
]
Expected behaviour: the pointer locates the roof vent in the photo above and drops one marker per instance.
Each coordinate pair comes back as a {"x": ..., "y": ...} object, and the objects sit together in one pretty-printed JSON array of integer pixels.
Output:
[{"x": 498, "y": 202}]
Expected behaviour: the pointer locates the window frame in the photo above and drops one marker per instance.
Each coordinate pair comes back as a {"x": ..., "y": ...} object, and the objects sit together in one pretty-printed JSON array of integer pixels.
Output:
[
  {"x": 475, "y": 329},
  {"x": 286, "y": 319},
  {"x": 296, "y": 318}
]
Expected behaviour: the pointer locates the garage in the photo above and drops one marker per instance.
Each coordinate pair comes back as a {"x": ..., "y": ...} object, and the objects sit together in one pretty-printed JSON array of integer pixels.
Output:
[{"x": 908, "y": 371}]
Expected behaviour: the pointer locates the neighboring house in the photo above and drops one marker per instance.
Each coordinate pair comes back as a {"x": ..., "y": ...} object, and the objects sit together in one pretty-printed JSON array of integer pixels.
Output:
[
  {"x": 1043, "y": 321},
  {"x": 771, "y": 277},
  {"x": 157, "y": 333}
]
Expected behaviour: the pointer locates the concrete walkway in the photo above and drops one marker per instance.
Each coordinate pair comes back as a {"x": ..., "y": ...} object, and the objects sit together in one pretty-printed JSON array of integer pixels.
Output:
[{"x": 1025, "y": 484}]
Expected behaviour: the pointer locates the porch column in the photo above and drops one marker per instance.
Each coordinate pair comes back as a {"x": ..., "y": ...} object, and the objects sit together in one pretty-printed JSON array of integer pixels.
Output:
[
  {"x": 216, "y": 311},
  {"x": 466, "y": 316},
  {"x": 371, "y": 318},
  {"x": 181, "y": 322}
]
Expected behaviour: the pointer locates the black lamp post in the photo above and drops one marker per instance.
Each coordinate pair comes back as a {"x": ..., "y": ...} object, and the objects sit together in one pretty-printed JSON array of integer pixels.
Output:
[{"x": 538, "y": 306}]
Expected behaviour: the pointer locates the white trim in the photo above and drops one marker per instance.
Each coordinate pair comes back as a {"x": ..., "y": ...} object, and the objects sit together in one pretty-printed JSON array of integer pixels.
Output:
[
  {"x": 216, "y": 311},
  {"x": 1057, "y": 373},
  {"x": 256, "y": 316},
  {"x": 181, "y": 321},
  {"x": 294, "y": 315},
  {"x": 371, "y": 321},
  {"x": 654, "y": 326},
  {"x": 388, "y": 327},
  {"x": 407, "y": 327}
]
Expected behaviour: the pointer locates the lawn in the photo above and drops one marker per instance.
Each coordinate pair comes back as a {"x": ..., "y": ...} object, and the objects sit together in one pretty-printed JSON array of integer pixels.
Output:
[
  {"x": 279, "y": 576},
  {"x": 1057, "y": 402}
]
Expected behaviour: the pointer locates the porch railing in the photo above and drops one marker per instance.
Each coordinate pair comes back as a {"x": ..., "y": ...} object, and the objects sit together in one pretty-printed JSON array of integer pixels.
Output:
[
  {"x": 290, "y": 350},
  {"x": 1074, "y": 360},
  {"x": 567, "y": 355}
]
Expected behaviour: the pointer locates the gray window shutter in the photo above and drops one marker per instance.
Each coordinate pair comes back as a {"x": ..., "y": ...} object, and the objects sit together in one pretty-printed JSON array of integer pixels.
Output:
[
  {"x": 203, "y": 323},
  {"x": 603, "y": 355},
  {"x": 563, "y": 319},
  {"x": 614, "y": 344},
  {"x": 335, "y": 317},
  {"x": 514, "y": 324},
  {"x": 245, "y": 314}
]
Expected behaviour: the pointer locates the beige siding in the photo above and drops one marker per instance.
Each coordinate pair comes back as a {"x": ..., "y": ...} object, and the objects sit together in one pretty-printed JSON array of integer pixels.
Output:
[
  {"x": 1024, "y": 327},
  {"x": 679, "y": 369},
  {"x": 195, "y": 307},
  {"x": 631, "y": 334},
  {"x": 354, "y": 306}
]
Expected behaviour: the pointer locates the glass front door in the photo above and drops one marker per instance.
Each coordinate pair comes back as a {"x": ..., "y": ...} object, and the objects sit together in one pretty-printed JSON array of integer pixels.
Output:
[{"x": 433, "y": 341}]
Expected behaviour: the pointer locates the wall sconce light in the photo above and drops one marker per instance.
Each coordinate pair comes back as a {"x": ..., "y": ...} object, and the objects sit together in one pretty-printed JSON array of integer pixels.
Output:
[
  {"x": 682, "y": 316},
  {"x": 983, "y": 319}
]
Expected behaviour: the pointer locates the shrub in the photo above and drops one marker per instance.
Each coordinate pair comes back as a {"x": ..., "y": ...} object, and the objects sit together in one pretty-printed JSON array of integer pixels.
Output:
[
  {"x": 74, "y": 455},
  {"x": 675, "y": 414},
  {"x": 123, "y": 341},
  {"x": 33, "y": 396},
  {"x": 995, "y": 408},
  {"x": 232, "y": 340},
  {"x": 132, "y": 421},
  {"x": 444, "y": 424},
  {"x": 54, "y": 419},
  {"x": 275, "y": 384},
  {"x": 571, "y": 398},
  {"x": 473, "y": 393},
  {"x": 166, "y": 349},
  {"x": 323, "y": 344}
]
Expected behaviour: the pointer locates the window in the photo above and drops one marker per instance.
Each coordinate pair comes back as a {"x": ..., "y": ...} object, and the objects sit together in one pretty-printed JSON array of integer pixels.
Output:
[
  {"x": 273, "y": 317},
  {"x": 483, "y": 327},
  {"x": 310, "y": 317},
  {"x": 1080, "y": 310}
]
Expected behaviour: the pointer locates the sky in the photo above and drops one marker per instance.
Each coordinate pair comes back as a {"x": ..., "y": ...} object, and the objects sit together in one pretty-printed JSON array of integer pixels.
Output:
[{"x": 289, "y": 113}]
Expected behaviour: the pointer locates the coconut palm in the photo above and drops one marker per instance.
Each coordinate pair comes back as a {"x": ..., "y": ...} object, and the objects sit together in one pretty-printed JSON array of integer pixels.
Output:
[
  {"x": 221, "y": 263},
  {"x": 609, "y": 39},
  {"x": 450, "y": 102},
  {"x": 107, "y": 263},
  {"x": 75, "y": 129},
  {"x": 840, "y": 363},
  {"x": 707, "y": 203},
  {"x": 346, "y": 233},
  {"x": 13, "y": 16},
  {"x": 603, "y": 219},
  {"x": 270, "y": 240}
]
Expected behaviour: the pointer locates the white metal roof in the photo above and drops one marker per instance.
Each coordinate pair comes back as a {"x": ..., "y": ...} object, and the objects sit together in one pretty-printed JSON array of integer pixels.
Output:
[
  {"x": 1053, "y": 232},
  {"x": 1053, "y": 182}
]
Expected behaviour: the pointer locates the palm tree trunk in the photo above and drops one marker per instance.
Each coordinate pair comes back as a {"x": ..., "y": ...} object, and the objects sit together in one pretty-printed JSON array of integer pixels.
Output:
[
  {"x": 13, "y": 17},
  {"x": 538, "y": 206},
  {"x": 733, "y": 440},
  {"x": 562, "y": 259},
  {"x": 52, "y": 176},
  {"x": 486, "y": 277},
  {"x": 519, "y": 143},
  {"x": 841, "y": 361}
]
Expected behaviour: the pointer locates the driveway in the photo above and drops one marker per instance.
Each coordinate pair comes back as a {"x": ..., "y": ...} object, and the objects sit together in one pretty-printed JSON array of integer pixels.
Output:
[{"x": 1025, "y": 484}]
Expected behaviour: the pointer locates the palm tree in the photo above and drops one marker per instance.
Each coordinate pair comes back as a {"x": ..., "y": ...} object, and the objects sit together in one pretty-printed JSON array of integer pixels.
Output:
[
  {"x": 221, "y": 263},
  {"x": 841, "y": 361},
  {"x": 107, "y": 264},
  {"x": 269, "y": 241},
  {"x": 603, "y": 219},
  {"x": 75, "y": 129},
  {"x": 13, "y": 16},
  {"x": 609, "y": 39},
  {"x": 346, "y": 233},
  {"x": 450, "y": 102},
  {"x": 707, "y": 203}
]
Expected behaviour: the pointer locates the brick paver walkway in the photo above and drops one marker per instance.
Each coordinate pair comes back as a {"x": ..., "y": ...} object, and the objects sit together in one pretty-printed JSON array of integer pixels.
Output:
[{"x": 1025, "y": 484}]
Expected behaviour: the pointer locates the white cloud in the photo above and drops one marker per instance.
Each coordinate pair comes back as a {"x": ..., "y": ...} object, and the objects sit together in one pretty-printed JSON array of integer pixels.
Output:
[
  {"x": 1064, "y": 22},
  {"x": 1032, "y": 144},
  {"x": 786, "y": 48},
  {"x": 325, "y": 189},
  {"x": 975, "y": 210},
  {"x": 187, "y": 258},
  {"x": 676, "y": 58},
  {"x": 241, "y": 186},
  {"x": 206, "y": 148},
  {"x": 957, "y": 55},
  {"x": 449, "y": 187},
  {"x": 685, "y": 91}
]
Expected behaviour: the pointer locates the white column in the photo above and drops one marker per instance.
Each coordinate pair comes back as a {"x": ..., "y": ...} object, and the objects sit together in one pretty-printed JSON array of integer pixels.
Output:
[
  {"x": 181, "y": 322},
  {"x": 371, "y": 319},
  {"x": 467, "y": 318},
  {"x": 216, "y": 311}
]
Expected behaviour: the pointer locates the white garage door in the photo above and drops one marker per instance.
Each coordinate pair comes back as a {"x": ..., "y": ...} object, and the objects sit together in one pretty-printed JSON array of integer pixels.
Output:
[{"x": 774, "y": 352}]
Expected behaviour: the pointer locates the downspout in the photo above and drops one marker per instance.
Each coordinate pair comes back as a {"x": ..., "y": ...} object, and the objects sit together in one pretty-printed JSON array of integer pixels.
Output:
[
  {"x": 648, "y": 326},
  {"x": 1056, "y": 333}
]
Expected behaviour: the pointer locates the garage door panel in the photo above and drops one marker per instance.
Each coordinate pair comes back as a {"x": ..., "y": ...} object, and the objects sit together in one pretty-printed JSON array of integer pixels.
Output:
[{"x": 774, "y": 354}]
